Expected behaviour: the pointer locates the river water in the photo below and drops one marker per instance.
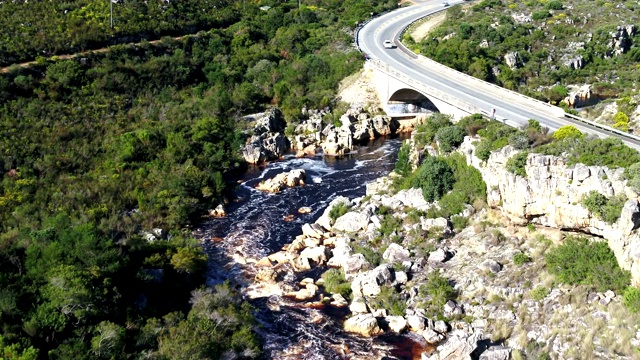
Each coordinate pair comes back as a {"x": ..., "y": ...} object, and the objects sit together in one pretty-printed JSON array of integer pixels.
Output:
[{"x": 255, "y": 227}]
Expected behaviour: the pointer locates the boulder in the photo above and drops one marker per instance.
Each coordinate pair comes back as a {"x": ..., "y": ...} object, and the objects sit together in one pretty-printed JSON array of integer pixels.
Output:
[
  {"x": 218, "y": 212},
  {"x": 272, "y": 121},
  {"x": 384, "y": 125},
  {"x": 496, "y": 353},
  {"x": 312, "y": 231},
  {"x": 363, "y": 324},
  {"x": 436, "y": 257},
  {"x": 396, "y": 253},
  {"x": 428, "y": 224},
  {"x": 490, "y": 265},
  {"x": 416, "y": 323},
  {"x": 358, "y": 306},
  {"x": 440, "y": 327},
  {"x": 316, "y": 254},
  {"x": 267, "y": 275},
  {"x": 397, "y": 324},
  {"x": 431, "y": 336},
  {"x": 338, "y": 300},
  {"x": 457, "y": 347},
  {"x": 296, "y": 177},
  {"x": 368, "y": 283},
  {"x": 355, "y": 263},
  {"x": 351, "y": 222},
  {"x": 324, "y": 220}
]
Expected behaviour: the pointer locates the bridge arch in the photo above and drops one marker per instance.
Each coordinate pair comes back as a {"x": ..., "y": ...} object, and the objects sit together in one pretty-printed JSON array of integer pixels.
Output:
[{"x": 410, "y": 101}]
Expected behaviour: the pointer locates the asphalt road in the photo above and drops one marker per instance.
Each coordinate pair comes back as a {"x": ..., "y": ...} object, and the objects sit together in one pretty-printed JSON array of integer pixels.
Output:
[{"x": 514, "y": 112}]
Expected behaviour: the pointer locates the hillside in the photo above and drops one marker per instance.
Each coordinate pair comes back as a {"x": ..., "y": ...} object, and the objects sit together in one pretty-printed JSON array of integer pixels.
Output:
[{"x": 573, "y": 53}]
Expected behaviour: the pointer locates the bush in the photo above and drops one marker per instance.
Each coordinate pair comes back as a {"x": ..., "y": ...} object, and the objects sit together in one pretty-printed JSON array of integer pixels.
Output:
[
  {"x": 403, "y": 166},
  {"x": 336, "y": 283},
  {"x": 631, "y": 299},
  {"x": 434, "y": 177},
  {"x": 338, "y": 210},
  {"x": 483, "y": 150},
  {"x": 373, "y": 257},
  {"x": 439, "y": 290},
  {"x": 539, "y": 293},
  {"x": 390, "y": 224},
  {"x": 472, "y": 124},
  {"x": 516, "y": 164},
  {"x": 610, "y": 152},
  {"x": 459, "y": 222},
  {"x": 426, "y": 132},
  {"x": 579, "y": 261},
  {"x": 567, "y": 131},
  {"x": 449, "y": 138},
  {"x": 521, "y": 259},
  {"x": 554, "y": 5},
  {"x": 389, "y": 299},
  {"x": 540, "y": 15},
  {"x": 633, "y": 174},
  {"x": 607, "y": 210}
]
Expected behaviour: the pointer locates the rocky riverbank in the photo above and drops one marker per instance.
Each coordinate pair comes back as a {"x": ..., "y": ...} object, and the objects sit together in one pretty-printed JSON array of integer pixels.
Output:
[{"x": 473, "y": 290}]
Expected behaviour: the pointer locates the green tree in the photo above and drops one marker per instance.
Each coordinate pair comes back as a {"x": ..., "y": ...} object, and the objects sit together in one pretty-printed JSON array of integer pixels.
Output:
[
  {"x": 108, "y": 341},
  {"x": 434, "y": 177},
  {"x": 403, "y": 166},
  {"x": 449, "y": 138}
]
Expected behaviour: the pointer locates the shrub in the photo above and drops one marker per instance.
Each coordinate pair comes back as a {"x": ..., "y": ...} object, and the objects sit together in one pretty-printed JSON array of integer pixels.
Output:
[
  {"x": 390, "y": 224},
  {"x": 567, "y": 131},
  {"x": 633, "y": 174},
  {"x": 336, "y": 283},
  {"x": 539, "y": 293},
  {"x": 607, "y": 210},
  {"x": 621, "y": 121},
  {"x": 403, "y": 166},
  {"x": 554, "y": 5},
  {"x": 540, "y": 15},
  {"x": 449, "y": 137},
  {"x": 610, "y": 152},
  {"x": 631, "y": 299},
  {"x": 389, "y": 299},
  {"x": 521, "y": 259},
  {"x": 579, "y": 261},
  {"x": 516, "y": 164},
  {"x": 338, "y": 210},
  {"x": 373, "y": 257},
  {"x": 434, "y": 177},
  {"x": 459, "y": 222},
  {"x": 426, "y": 132},
  {"x": 440, "y": 291},
  {"x": 483, "y": 150},
  {"x": 472, "y": 124}
]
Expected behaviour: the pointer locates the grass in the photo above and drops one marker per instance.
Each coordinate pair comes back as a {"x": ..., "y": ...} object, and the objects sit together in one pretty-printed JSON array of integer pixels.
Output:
[{"x": 336, "y": 283}]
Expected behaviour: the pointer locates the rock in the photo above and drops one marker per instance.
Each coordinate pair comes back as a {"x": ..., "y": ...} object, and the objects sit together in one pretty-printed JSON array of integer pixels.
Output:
[
  {"x": 436, "y": 257},
  {"x": 431, "y": 336},
  {"x": 351, "y": 222},
  {"x": 609, "y": 294},
  {"x": 440, "y": 327},
  {"x": 263, "y": 262},
  {"x": 355, "y": 263},
  {"x": 272, "y": 121},
  {"x": 267, "y": 276},
  {"x": 218, "y": 212},
  {"x": 280, "y": 257},
  {"x": 428, "y": 224},
  {"x": 449, "y": 307},
  {"x": 457, "y": 347},
  {"x": 401, "y": 277},
  {"x": 496, "y": 353},
  {"x": 379, "y": 313},
  {"x": 304, "y": 210},
  {"x": 339, "y": 301},
  {"x": 397, "y": 324},
  {"x": 312, "y": 231},
  {"x": 358, "y": 306},
  {"x": 511, "y": 60},
  {"x": 416, "y": 323},
  {"x": 316, "y": 254},
  {"x": 307, "y": 293},
  {"x": 296, "y": 177},
  {"x": 282, "y": 180},
  {"x": 396, "y": 253},
  {"x": 490, "y": 265},
  {"x": 368, "y": 283},
  {"x": 384, "y": 125},
  {"x": 363, "y": 324}
]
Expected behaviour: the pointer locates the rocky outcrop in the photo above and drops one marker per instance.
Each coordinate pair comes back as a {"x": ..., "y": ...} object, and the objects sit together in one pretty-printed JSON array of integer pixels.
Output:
[
  {"x": 363, "y": 324},
  {"x": 268, "y": 141},
  {"x": 283, "y": 180},
  {"x": 512, "y": 60},
  {"x": 356, "y": 126},
  {"x": 579, "y": 95},
  {"x": 620, "y": 40},
  {"x": 552, "y": 193}
]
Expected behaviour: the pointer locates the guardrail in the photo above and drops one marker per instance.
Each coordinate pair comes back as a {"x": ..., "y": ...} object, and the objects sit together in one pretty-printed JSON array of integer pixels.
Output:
[{"x": 604, "y": 127}]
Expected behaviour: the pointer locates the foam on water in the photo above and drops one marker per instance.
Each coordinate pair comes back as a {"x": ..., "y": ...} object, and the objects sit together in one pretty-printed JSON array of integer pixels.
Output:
[{"x": 254, "y": 228}]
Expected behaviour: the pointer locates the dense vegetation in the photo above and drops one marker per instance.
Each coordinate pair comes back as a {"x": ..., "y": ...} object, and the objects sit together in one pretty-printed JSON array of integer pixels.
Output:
[
  {"x": 557, "y": 33},
  {"x": 99, "y": 150},
  {"x": 580, "y": 261}
]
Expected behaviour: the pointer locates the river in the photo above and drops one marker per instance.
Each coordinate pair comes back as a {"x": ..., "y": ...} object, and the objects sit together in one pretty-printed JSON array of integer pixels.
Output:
[{"x": 255, "y": 227}]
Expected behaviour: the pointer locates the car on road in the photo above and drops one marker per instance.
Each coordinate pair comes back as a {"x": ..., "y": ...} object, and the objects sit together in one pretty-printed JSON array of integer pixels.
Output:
[
  {"x": 388, "y": 44},
  {"x": 445, "y": 4}
]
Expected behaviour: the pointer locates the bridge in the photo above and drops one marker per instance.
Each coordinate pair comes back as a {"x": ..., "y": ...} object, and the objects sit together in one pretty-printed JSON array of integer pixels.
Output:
[{"x": 409, "y": 84}]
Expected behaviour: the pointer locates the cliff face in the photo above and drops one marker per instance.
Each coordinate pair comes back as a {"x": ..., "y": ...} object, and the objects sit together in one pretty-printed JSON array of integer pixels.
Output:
[{"x": 552, "y": 193}]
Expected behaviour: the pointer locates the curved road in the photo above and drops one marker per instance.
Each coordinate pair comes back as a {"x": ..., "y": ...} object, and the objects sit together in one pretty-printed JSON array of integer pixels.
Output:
[{"x": 513, "y": 111}]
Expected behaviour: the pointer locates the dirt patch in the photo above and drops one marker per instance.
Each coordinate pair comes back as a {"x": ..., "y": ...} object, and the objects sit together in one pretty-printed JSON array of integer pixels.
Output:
[
  {"x": 358, "y": 89},
  {"x": 423, "y": 27}
]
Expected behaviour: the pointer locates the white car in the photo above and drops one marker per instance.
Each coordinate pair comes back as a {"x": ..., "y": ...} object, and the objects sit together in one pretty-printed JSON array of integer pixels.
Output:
[{"x": 388, "y": 44}]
